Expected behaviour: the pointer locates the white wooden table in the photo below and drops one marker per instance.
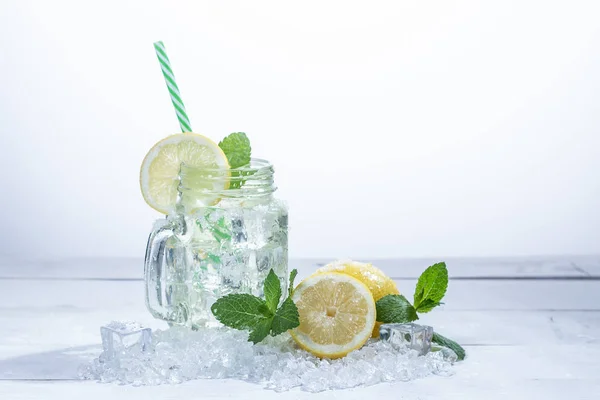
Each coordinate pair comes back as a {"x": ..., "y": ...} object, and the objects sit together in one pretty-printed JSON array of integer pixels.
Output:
[{"x": 531, "y": 327}]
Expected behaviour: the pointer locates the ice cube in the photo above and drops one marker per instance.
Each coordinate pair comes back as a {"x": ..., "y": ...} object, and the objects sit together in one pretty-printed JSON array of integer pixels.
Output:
[
  {"x": 413, "y": 336},
  {"x": 121, "y": 336},
  {"x": 232, "y": 271},
  {"x": 447, "y": 354},
  {"x": 238, "y": 230}
]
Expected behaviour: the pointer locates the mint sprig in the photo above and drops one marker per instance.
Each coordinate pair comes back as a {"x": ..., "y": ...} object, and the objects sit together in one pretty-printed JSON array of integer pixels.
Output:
[
  {"x": 430, "y": 290},
  {"x": 260, "y": 316}
]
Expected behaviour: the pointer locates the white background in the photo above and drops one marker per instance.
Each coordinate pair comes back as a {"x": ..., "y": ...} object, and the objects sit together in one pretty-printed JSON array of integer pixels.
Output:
[{"x": 401, "y": 128}]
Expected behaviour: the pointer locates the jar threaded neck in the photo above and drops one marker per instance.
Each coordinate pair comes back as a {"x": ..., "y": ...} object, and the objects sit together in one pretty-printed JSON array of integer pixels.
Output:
[{"x": 206, "y": 186}]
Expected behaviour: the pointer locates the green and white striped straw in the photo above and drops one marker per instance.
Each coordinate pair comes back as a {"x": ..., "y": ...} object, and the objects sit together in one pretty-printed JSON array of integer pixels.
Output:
[{"x": 165, "y": 66}]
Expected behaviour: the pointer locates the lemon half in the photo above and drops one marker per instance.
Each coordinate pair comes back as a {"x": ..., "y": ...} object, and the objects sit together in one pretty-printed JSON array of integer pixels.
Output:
[
  {"x": 378, "y": 283},
  {"x": 337, "y": 314}
]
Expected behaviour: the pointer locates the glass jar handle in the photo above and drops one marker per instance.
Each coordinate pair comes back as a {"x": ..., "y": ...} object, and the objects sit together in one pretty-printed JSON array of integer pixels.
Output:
[{"x": 155, "y": 270}]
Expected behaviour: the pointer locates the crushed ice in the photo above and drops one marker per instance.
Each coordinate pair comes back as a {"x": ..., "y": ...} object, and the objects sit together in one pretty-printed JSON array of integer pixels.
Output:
[{"x": 177, "y": 355}]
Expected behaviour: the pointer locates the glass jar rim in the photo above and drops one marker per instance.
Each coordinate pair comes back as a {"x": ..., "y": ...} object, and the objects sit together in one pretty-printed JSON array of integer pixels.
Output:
[{"x": 256, "y": 165}]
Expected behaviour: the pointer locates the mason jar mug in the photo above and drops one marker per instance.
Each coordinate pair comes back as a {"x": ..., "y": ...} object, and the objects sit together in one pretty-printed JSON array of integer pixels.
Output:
[{"x": 226, "y": 232}]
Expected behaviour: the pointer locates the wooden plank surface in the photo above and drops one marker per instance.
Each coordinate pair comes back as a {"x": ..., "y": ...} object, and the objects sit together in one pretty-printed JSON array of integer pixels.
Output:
[
  {"x": 525, "y": 337},
  {"x": 132, "y": 268},
  {"x": 461, "y": 295}
]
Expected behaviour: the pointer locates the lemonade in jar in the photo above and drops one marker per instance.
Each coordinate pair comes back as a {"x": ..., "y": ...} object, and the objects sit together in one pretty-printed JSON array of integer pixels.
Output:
[{"x": 224, "y": 228}]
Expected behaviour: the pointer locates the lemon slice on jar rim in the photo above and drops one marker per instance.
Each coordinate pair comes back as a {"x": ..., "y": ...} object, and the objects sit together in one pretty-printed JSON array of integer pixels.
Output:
[{"x": 159, "y": 173}]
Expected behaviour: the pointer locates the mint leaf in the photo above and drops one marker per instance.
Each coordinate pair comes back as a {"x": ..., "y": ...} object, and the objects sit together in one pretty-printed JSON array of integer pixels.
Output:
[
  {"x": 219, "y": 230},
  {"x": 239, "y": 311},
  {"x": 428, "y": 305},
  {"x": 291, "y": 283},
  {"x": 236, "y": 147},
  {"x": 260, "y": 331},
  {"x": 286, "y": 317},
  {"x": 395, "y": 308},
  {"x": 272, "y": 290},
  {"x": 432, "y": 286},
  {"x": 451, "y": 344}
]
